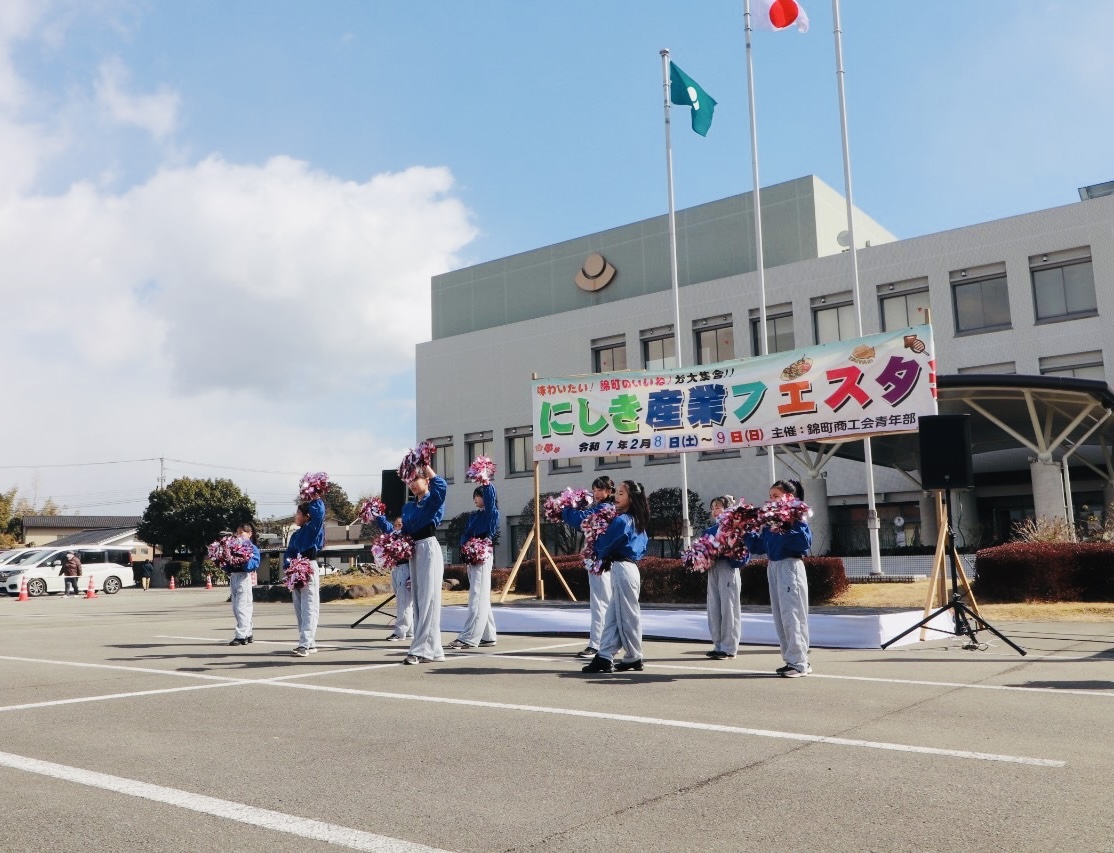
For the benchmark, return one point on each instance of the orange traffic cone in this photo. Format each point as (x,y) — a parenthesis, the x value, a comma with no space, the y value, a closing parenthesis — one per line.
(172,581)
(208,581)
(23,596)
(90,592)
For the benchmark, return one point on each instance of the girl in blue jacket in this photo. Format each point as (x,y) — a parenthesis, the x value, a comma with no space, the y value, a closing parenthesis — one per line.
(788,583)
(239,580)
(725,610)
(483,523)
(620,548)
(599,586)
(306,541)
(427,565)
(400,583)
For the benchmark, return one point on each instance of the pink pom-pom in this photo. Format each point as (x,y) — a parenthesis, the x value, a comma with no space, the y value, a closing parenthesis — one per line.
(593,527)
(734,525)
(313,486)
(482,470)
(573,498)
(370,508)
(415,461)
(230,551)
(702,555)
(781,515)
(475,551)
(392,549)
(298,573)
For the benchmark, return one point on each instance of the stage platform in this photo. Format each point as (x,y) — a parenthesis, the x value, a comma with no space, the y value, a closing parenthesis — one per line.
(851,629)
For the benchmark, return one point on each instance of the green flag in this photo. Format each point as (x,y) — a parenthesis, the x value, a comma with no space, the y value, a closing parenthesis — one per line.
(686,92)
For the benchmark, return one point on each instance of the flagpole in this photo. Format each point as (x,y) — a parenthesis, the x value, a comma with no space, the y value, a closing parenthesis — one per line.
(686,527)
(872,522)
(759,257)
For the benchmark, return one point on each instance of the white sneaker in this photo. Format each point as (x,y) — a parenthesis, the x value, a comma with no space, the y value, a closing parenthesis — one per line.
(791,672)
(312,650)
(301,651)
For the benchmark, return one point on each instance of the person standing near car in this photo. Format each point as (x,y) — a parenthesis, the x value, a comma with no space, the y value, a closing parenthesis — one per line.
(71,571)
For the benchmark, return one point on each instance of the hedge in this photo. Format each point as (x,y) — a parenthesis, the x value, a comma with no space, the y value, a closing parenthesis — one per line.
(666,581)
(1045,571)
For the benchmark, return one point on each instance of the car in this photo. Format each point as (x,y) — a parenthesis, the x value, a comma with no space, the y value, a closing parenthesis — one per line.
(108,567)
(20,554)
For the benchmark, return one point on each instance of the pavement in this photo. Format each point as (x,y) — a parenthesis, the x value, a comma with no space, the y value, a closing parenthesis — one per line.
(130,724)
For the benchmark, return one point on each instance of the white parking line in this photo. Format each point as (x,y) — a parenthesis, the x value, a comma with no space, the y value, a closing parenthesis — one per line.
(353,839)
(82,699)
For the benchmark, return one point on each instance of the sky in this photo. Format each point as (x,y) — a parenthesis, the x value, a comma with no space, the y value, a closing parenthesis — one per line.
(218,221)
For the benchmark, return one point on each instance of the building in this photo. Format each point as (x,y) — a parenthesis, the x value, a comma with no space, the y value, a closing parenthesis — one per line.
(1017,310)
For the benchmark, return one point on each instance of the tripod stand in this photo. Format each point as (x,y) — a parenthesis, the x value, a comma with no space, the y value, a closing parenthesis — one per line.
(967,621)
(380,606)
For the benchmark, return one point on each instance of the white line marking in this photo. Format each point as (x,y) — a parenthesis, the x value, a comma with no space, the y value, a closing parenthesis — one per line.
(685,724)
(354,839)
(144,669)
(81,699)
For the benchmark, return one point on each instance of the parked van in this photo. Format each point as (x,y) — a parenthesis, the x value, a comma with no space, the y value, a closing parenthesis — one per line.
(109,568)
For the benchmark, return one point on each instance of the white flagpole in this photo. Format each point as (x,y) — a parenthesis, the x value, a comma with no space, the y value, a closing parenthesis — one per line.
(760,260)
(872,522)
(686,526)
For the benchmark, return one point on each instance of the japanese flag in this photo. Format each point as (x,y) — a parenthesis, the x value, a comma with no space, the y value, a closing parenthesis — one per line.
(772,15)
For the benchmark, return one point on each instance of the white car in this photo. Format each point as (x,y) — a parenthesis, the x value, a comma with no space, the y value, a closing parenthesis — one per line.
(108,567)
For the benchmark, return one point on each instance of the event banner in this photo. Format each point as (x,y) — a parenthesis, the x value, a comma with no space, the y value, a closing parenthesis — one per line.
(839,391)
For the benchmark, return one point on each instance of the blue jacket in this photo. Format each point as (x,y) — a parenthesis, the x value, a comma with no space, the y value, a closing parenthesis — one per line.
(781,546)
(483,523)
(253,561)
(712,530)
(573,517)
(310,536)
(429,510)
(383,524)
(621,541)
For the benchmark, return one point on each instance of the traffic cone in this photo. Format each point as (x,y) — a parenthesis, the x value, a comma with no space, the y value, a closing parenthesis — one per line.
(208,581)
(23,596)
(172,581)
(90,592)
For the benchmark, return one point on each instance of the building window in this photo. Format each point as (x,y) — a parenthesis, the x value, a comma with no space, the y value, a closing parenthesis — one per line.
(564,466)
(443,458)
(1002,367)
(659,353)
(1063,285)
(981,302)
(519,451)
(714,339)
(834,323)
(609,354)
(478,444)
(603,463)
(1080,365)
(661,458)
(779,333)
(904,310)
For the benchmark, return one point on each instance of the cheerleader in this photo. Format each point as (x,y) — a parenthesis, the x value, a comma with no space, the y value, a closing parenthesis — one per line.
(599,586)
(619,549)
(400,583)
(306,541)
(483,523)
(724,588)
(788,583)
(427,565)
(240,581)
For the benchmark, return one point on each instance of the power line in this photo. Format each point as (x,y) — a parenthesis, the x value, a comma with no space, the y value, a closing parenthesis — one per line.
(79,464)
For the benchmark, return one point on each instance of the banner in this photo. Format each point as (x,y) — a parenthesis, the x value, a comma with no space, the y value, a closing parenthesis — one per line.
(834,392)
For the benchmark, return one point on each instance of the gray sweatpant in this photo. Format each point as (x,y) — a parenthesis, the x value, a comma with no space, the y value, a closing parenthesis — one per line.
(724,610)
(427,572)
(307,608)
(622,628)
(789,604)
(242,604)
(599,594)
(479,624)
(404,600)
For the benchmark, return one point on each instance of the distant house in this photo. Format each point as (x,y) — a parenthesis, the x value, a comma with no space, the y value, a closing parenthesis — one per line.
(85,530)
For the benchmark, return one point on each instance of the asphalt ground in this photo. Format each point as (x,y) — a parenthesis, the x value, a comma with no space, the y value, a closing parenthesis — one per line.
(129,724)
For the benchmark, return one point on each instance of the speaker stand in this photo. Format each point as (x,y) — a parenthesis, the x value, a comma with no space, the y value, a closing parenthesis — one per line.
(967,621)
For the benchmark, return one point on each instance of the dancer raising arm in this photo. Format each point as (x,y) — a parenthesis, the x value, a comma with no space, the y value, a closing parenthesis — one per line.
(619,549)
(599,585)
(483,523)
(306,541)
(427,565)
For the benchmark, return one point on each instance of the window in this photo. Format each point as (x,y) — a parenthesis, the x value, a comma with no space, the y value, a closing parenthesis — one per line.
(443,457)
(519,451)
(981,299)
(605,462)
(478,444)
(715,339)
(779,333)
(659,348)
(1081,365)
(834,322)
(903,304)
(1004,367)
(609,354)
(562,466)
(1063,284)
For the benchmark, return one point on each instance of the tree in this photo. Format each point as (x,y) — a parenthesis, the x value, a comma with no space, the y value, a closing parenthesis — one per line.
(337,506)
(666,516)
(455,530)
(189,514)
(558,538)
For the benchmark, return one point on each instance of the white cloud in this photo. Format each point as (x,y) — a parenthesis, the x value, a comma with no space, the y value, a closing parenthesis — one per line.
(157,113)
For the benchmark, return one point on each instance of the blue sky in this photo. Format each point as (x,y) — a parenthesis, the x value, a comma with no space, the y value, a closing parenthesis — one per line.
(218,220)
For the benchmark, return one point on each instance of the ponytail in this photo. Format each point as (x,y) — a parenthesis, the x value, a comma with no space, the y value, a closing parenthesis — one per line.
(791,487)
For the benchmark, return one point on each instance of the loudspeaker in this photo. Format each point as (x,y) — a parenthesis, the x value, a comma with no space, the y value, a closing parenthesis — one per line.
(393,493)
(946,452)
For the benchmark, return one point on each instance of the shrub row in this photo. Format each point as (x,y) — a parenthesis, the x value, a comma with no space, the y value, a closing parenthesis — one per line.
(1045,571)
